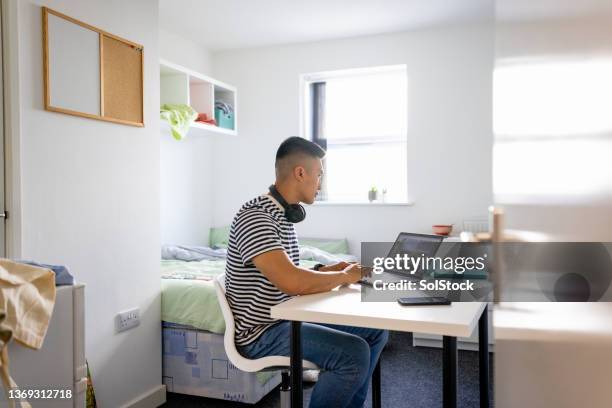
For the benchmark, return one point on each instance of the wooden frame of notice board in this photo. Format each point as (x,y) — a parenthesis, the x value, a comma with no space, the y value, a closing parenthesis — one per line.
(111,90)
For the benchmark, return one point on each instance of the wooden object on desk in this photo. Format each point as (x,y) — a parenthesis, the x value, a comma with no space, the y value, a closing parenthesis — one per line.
(91,73)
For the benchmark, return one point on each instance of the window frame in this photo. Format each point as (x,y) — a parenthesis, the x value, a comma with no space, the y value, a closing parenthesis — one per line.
(308,117)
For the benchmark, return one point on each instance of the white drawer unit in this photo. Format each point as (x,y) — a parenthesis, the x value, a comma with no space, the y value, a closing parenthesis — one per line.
(463,343)
(60,363)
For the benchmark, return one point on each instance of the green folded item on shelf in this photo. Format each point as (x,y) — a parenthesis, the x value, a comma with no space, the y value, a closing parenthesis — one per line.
(180,117)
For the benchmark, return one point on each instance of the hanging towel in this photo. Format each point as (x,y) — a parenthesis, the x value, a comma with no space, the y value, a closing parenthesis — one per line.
(7,381)
(180,117)
(27,297)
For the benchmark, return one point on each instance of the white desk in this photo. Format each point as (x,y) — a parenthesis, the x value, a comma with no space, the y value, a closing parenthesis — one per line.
(344,306)
(554,321)
(553,354)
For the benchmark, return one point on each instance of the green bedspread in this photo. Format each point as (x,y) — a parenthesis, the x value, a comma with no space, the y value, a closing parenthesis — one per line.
(188,293)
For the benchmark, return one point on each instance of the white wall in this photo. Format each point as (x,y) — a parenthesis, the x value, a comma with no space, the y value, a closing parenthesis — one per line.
(449,121)
(183,51)
(576,211)
(90,199)
(186,165)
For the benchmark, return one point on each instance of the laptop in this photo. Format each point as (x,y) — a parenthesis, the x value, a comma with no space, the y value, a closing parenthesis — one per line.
(413,245)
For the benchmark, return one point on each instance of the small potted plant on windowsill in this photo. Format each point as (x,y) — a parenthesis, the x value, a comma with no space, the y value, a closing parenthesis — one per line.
(373,194)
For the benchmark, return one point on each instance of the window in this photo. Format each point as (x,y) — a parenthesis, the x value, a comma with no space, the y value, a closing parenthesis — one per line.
(359,117)
(555,116)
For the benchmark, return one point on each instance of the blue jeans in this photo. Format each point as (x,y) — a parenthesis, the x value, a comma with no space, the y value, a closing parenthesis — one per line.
(346,355)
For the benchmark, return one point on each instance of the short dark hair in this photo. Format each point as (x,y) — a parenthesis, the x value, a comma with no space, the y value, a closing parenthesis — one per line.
(299,145)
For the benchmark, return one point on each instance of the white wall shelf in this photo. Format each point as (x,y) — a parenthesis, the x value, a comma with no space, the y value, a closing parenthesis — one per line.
(180,85)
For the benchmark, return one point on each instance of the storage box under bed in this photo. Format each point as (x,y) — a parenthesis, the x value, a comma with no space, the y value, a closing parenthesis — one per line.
(195,363)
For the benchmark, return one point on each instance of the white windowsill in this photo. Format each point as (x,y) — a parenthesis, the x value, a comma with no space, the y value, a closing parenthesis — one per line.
(361,204)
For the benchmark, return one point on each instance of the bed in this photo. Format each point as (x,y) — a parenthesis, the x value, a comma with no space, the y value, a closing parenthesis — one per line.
(194,360)
(188,295)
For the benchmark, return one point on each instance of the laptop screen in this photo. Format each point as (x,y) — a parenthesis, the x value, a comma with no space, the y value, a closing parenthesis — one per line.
(414,245)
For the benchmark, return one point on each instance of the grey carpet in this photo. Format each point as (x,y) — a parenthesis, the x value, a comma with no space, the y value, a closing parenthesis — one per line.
(411,377)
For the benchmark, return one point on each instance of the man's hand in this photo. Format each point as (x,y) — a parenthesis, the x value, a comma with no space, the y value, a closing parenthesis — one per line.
(354,272)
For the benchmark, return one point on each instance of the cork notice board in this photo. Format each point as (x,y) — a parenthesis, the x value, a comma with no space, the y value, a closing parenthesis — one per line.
(91,73)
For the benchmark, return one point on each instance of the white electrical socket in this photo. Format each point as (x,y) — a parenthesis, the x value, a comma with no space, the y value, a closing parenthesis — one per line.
(128,319)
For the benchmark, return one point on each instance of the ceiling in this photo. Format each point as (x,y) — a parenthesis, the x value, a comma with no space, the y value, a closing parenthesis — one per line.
(231,24)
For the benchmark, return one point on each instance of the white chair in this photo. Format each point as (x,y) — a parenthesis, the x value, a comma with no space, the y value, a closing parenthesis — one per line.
(270,363)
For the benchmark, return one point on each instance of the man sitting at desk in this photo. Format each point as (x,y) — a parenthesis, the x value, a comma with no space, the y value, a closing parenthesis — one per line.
(263,270)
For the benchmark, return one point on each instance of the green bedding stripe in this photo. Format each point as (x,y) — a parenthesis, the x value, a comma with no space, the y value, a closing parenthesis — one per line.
(193,303)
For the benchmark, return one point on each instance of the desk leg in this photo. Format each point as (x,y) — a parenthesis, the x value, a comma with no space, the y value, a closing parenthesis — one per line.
(376,385)
(449,371)
(483,357)
(297,399)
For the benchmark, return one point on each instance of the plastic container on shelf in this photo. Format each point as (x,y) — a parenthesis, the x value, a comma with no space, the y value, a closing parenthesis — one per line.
(224,120)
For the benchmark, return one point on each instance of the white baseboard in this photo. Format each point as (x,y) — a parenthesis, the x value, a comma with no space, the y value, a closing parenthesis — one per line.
(151,399)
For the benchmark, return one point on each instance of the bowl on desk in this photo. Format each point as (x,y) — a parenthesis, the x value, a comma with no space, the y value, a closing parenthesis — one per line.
(442,229)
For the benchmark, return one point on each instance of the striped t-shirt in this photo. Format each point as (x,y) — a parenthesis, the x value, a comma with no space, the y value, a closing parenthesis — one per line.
(260,226)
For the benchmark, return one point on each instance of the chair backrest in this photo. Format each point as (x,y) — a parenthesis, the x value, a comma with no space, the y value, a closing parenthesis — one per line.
(228,338)
(243,363)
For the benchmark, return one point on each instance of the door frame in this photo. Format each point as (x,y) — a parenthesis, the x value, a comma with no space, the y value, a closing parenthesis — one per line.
(11,129)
